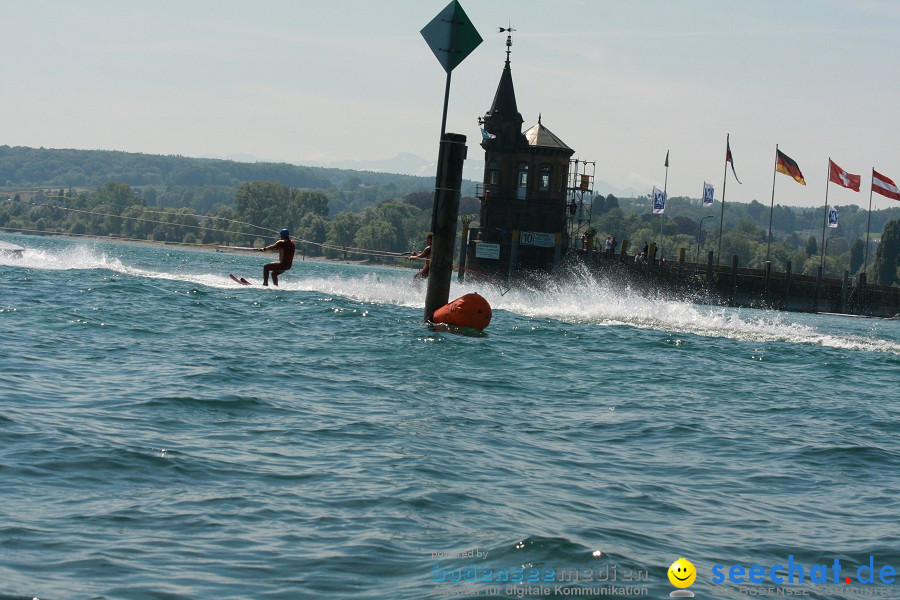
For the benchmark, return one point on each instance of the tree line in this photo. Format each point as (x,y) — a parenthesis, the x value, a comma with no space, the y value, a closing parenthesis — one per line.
(258,209)
(796,234)
(202,184)
(178,199)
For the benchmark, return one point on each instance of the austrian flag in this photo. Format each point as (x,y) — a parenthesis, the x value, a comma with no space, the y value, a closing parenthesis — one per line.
(884,186)
(842,177)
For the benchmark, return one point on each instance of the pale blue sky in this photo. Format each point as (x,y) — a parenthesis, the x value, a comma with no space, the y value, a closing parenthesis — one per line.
(620,81)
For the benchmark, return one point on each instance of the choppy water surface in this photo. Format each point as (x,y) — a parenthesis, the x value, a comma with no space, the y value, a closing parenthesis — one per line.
(166,433)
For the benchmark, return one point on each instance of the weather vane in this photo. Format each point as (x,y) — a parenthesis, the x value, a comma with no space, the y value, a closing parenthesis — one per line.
(508,31)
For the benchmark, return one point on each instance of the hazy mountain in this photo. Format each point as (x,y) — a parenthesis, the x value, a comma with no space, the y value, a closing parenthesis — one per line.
(604,188)
(473,170)
(403,164)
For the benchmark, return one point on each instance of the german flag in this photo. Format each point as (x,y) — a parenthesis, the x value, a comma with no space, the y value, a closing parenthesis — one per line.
(784,164)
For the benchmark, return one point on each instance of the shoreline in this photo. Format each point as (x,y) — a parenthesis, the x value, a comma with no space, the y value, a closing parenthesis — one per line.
(299,257)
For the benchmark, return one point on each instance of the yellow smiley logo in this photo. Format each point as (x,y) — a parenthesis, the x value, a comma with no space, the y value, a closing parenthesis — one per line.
(682,573)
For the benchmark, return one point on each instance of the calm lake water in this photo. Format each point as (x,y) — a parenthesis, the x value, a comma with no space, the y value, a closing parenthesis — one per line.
(167,433)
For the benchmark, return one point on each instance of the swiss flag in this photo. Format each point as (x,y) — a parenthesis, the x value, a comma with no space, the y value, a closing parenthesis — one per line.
(842,177)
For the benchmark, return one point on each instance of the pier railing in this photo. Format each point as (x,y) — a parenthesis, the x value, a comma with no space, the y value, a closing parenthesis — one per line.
(735,285)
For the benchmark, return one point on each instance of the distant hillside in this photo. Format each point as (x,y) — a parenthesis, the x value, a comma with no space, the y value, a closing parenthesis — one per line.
(30,167)
(203,184)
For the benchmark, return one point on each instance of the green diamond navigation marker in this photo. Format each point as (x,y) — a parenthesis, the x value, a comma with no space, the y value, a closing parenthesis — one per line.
(451,36)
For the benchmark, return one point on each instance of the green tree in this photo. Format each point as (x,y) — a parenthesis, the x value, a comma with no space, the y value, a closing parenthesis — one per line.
(376,235)
(640,236)
(409,223)
(812,247)
(421,200)
(310,202)
(757,211)
(887,257)
(341,232)
(685,226)
(116,195)
(783,218)
(798,258)
(262,203)
(273,206)
(218,226)
(614,222)
(351,183)
(313,229)
(611,203)
(779,255)
(751,230)
(136,223)
(184,222)
(77,228)
(836,255)
(736,242)
(811,265)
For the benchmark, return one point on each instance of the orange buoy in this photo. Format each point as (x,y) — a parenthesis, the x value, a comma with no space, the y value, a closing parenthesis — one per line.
(470,310)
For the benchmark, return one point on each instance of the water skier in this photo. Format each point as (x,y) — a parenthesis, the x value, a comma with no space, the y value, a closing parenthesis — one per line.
(426,254)
(286,248)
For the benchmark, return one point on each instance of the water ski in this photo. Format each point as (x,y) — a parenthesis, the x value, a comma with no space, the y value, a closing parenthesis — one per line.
(240,280)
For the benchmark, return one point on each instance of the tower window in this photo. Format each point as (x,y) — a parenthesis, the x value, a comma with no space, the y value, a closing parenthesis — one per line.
(545,178)
(522,185)
(494,177)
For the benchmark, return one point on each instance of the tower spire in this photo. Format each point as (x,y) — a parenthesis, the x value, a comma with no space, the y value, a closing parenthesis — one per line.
(508,31)
(505,98)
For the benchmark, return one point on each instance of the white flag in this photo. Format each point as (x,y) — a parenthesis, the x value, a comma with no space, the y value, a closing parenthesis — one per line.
(832,217)
(708,194)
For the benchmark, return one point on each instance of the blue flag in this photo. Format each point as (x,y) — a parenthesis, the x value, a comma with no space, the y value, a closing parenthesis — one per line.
(659,201)
(708,194)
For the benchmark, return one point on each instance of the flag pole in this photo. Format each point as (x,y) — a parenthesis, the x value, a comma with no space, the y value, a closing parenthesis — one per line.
(446,104)
(722,215)
(700,220)
(825,220)
(665,200)
(869,220)
(772,206)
